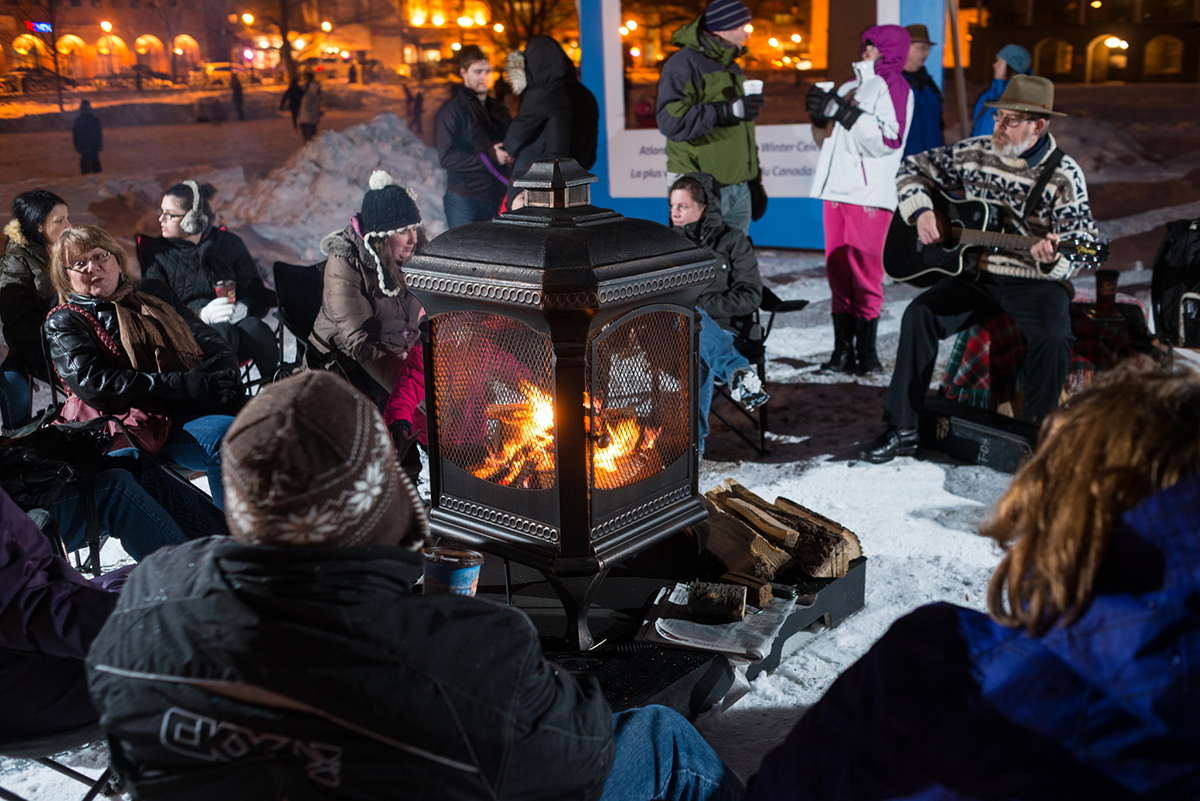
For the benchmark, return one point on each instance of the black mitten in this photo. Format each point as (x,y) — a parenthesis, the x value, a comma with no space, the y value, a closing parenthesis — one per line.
(847,114)
(752,106)
(725,115)
(815,103)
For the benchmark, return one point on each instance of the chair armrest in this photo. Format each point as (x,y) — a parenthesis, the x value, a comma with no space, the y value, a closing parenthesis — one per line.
(775,305)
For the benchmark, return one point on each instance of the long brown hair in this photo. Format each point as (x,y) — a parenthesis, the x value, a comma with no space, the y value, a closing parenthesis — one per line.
(77,240)
(1100,455)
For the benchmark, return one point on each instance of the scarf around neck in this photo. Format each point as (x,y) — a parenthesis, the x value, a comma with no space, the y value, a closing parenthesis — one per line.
(153,335)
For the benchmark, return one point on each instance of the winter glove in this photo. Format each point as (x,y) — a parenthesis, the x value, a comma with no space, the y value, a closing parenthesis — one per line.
(402,437)
(725,113)
(815,104)
(223,386)
(752,107)
(239,313)
(218,310)
(847,113)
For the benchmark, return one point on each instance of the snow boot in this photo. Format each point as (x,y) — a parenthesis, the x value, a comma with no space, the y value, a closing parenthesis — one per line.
(890,444)
(842,358)
(747,389)
(867,360)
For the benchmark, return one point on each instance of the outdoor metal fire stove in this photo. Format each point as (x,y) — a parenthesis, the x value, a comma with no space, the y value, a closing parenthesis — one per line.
(561,376)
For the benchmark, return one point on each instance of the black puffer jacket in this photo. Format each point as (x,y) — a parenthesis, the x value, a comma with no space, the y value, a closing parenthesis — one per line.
(559,117)
(26,295)
(737,289)
(466,128)
(88,370)
(459,685)
(192,271)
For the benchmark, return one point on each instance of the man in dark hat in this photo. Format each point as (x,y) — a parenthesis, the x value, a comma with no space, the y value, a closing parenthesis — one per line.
(926,129)
(298,659)
(468,127)
(1031,286)
(704,110)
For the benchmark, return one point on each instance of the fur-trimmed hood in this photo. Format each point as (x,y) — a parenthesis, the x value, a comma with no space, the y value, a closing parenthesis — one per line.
(15,234)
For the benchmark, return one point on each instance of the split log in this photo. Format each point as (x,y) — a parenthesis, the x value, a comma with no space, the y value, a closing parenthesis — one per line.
(822,548)
(758,592)
(740,548)
(718,602)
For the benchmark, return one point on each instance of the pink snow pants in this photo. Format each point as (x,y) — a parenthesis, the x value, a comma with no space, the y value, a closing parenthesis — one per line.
(408,395)
(854,238)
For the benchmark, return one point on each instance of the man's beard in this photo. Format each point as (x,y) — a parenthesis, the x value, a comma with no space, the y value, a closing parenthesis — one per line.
(1013,149)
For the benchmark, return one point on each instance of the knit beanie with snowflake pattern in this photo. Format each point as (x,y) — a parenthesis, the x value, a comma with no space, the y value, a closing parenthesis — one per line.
(309,461)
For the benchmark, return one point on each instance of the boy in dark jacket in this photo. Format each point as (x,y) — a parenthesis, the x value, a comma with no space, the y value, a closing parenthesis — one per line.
(89,138)
(469,129)
(298,660)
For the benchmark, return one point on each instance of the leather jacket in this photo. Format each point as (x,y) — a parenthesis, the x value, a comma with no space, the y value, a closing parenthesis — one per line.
(87,369)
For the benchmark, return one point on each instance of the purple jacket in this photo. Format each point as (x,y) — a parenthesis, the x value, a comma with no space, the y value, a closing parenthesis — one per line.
(951,705)
(49,615)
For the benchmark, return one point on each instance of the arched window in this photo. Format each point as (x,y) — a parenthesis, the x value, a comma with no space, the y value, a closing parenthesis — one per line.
(1053,57)
(1164,56)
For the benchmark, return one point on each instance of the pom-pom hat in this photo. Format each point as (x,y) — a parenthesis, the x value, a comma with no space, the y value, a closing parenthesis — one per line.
(387,209)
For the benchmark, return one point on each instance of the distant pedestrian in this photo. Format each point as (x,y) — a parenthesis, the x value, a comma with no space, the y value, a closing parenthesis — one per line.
(408,103)
(291,99)
(310,108)
(235,85)
(353,77)
(89,138)
(418,110)
(1011,60)
(926,129)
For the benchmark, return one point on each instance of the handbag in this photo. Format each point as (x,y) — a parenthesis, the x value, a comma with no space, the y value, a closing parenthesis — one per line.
(147,429)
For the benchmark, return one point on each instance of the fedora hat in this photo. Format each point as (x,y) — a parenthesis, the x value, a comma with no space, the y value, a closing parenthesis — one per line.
(919,34)
(1029,93)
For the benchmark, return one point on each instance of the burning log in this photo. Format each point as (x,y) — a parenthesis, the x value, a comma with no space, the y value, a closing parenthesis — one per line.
(822,548)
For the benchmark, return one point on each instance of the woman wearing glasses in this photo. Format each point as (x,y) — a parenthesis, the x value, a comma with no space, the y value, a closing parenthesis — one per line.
(39,216)
(192,256)
(120,346)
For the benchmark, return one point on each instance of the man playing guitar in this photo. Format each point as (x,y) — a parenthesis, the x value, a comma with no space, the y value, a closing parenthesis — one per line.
(1036,191)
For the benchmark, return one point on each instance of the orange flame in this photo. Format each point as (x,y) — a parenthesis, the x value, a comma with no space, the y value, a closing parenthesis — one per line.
(525,447)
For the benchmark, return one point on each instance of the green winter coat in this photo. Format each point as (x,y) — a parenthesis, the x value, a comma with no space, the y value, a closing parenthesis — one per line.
(703,72)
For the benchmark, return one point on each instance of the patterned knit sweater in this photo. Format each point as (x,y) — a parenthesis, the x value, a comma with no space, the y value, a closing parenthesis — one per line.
(974,169)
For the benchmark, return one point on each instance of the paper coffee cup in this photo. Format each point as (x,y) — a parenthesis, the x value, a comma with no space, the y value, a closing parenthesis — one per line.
(451,570)
(825,86)
(752,87)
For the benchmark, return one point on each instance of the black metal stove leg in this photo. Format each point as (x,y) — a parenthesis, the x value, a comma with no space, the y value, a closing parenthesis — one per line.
(576,594)
(507,583)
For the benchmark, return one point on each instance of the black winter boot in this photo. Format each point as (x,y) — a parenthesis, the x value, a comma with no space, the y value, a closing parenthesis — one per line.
(864,346)
(842,358)
(890,444)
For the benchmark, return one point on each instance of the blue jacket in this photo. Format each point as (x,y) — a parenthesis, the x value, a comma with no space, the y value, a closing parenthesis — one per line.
(926,130)
(984,124)
(951,705)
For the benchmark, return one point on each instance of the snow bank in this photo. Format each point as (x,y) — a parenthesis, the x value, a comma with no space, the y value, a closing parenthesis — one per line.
(320,187)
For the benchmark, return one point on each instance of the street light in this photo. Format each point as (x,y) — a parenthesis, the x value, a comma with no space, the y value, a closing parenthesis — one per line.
(327,26)
(498,28)
(106,26)
(248,19)
(796,38)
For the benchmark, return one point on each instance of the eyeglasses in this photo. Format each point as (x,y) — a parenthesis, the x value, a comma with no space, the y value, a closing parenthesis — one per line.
(100,259)
(1007,121)
(164,213)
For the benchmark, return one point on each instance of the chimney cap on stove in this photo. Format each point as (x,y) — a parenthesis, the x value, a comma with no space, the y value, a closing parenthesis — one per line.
(556,183)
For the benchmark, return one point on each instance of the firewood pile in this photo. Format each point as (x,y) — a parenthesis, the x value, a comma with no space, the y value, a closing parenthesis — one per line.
(757,540)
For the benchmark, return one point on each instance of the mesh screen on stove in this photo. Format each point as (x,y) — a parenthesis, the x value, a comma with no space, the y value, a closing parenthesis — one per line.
(638,386)
(494,391)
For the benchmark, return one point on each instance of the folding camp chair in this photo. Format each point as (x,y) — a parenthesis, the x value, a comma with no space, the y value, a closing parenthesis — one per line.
(41,749)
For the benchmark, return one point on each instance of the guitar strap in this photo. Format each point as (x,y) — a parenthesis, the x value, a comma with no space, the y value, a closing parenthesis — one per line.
(1052,162)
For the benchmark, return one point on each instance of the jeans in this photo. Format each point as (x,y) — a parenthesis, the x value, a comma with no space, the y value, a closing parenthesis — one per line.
(718,359)
(196,445)
(660,756)
(15,405)
(462,210)
(251,338)
(123,510)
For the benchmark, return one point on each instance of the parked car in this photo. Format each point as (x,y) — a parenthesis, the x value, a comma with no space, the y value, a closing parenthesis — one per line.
(38,79)
(327,68)
(213,74)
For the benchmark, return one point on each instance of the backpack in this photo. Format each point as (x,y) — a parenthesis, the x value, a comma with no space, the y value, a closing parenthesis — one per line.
(1175,286)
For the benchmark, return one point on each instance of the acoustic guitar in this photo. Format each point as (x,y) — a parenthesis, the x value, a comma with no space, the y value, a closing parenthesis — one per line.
(966,226)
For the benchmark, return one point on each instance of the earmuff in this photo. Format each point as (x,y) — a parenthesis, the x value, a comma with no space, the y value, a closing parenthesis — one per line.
(195,221)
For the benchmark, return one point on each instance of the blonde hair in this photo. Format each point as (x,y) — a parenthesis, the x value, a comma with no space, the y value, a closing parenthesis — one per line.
(1100,455)
(75,241)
